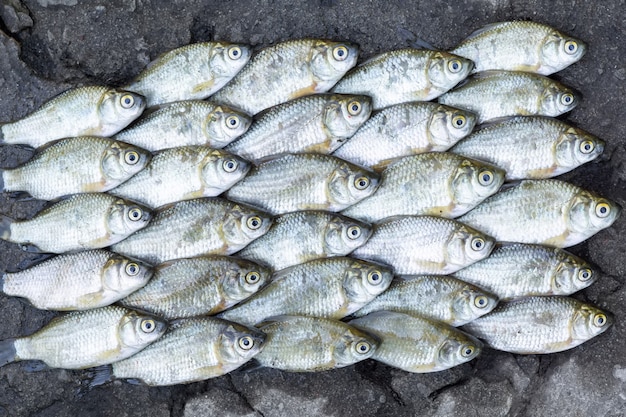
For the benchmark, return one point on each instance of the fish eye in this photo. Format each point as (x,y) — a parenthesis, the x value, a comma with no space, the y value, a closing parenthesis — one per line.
(132,269)
(458,121)
(586,146)
(481,301)
(585,274)
(246,342)
(363,347)
(571,47)
(340,53)
(354,232)
(254,222)
(233,122)
(234,52)
(135,214)
(375,277)
(354,108)
(468,350)
(361,183)
(253,277)
(478,243)
(131,157)
(485,177)
(127,101)
(603,210)
(599,320)
(230,165)
(455,65)
(567,99)
(148,326)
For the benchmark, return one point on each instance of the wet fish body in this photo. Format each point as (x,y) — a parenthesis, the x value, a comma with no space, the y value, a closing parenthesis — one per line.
(406,129)
(184,173)
(536,325)
(319,123)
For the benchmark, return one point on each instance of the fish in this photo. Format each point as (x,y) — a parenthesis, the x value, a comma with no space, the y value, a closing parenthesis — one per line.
(200,286)
(304,182)
(405,75)
(184,173)
(312,344)
(84,339)
(536,325)
(288,70)
(330,287)
(522,270)
(186,123)
(79,222)
(406,129)
(417,344)
(82,111)
(191,350)
(496,94)
(319,123)
(440,298)
(548,212)
(434,183)
(531,147)
(84,164)
(421,245)
(521,46)
(190,72)
(77,281)
(190,228)
(302,236)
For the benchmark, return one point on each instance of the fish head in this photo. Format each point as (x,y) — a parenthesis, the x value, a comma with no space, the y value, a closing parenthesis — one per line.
(448,125)
(354,346)
(571,274)
(125,217)
(120,161)
(473,181)
(588,213)
(226,60)
(138,330)
(349,184)
(559,51)
(119,108)
(575,147)
(589,321)
(345,114)
(329,60)
(342,235)
(224,124)
(467,245)
(557,99)
(245,279)
(471,302)
(122,275)
(238,343)
(363,281)
(445,70)
(221,170)
(456,349)
(243,224)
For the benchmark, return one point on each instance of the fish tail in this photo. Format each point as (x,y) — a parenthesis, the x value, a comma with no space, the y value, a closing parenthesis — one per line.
(1,179)
(2,134)
(100,375)
(2,278)
(5,227)
(7,351)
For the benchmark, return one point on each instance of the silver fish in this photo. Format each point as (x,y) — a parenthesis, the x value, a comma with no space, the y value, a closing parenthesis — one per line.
(537,325)
(190,72)
(435,183)
(187,123)
(77,281)
(332,287)
(198,286)
(82,111)
(311,344)
(319,123)
(496,94)
(405,75)
(288,70)
(548,212)
(521,46)
(75,165)
(416,344)
(522,270)
(184,173)
(406,129)
(196,227)
(531,147)
(418,245)
(85,339)
(437,297)
(302,236)
(80,222)
(304,182)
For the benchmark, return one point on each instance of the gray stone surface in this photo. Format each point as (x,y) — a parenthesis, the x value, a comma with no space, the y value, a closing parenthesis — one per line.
(46,46)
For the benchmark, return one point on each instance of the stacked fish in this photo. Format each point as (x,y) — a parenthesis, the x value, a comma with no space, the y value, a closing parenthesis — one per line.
(288,142)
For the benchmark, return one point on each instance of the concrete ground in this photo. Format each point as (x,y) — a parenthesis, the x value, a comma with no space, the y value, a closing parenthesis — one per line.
(47,46)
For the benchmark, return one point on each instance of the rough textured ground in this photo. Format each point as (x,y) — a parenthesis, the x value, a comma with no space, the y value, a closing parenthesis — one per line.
(47,46)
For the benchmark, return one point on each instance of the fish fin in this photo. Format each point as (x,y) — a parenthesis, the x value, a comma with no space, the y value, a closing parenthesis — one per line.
(2,134)
(35,366)
(99,375)
(251,365)
(7,351)
(306,91)
(203,86)
(5,227)
(413,40)
(495,121)
(30,248)
(20,196)
(508,185)
(486,28)
(90,299)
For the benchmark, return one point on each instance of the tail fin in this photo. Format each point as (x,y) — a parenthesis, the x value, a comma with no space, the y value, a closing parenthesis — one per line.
(100,375)
(2,282)
(7,351)
(5,227)
(2,134)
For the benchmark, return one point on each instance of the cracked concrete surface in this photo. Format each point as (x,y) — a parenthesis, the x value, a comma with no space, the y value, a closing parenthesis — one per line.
(46,46)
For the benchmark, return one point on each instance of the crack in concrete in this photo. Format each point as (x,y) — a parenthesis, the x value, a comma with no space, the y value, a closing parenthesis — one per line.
(233,388)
